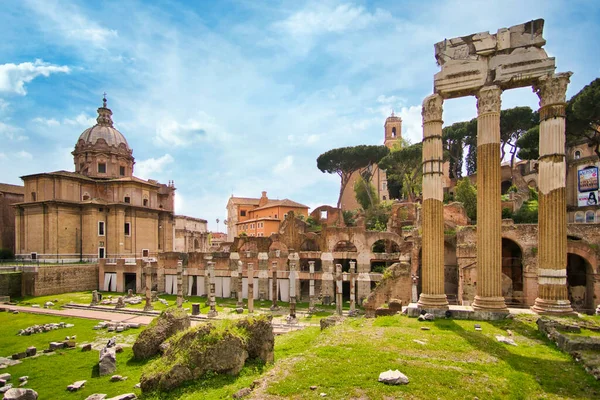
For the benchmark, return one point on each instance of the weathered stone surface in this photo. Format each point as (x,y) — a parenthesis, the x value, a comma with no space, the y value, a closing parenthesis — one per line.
(108,361)
(261,340)
(5,376)
(126,396)
(166,325)
(426,317)
(56,346)
(31,351)
(23,378)
(395,304)
(390,377)
(76,386)
(385,312)
(242,393)
(19,356)
(96,396)
(117,378)
(330,321)
(504,339)
(6,388)
(86,347)
(20,394)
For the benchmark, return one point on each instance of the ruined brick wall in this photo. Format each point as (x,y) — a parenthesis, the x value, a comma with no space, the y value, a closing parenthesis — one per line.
(7,219)
(10,284)
(396,284)
(48,280)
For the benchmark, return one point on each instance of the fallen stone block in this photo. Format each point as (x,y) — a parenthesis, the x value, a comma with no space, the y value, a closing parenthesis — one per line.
(6,388)
(118,378)
(23,378)
(31,351)
(390,377)
(20,394)
(504,339)
(126,396)
(5,376)
(108,361)
(96,396)
(86,347)
(56,346)
(242,393)
(76,386)
(19,356)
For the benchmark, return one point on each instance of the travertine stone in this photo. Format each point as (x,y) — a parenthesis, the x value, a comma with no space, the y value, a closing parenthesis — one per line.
(311,287)
(552,297)
(489,210)
(274,306)
(250,288)
(212,299)
(338,289)
(433,295)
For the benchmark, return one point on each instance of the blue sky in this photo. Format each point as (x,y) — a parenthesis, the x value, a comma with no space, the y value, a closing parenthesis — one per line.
(238,97)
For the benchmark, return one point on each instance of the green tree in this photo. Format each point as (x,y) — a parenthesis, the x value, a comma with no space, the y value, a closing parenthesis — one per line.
(529,144)
(583,115)
(377,216)
(365,193)
(466,193)
(528,213)
(345,161)
(458,138)
(514,123)
(404,168)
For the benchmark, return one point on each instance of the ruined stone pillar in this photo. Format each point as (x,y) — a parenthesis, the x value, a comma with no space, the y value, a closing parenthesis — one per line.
(263,276)
(240,290)
(212,299)
(433,296)
(326,278)
(179,284)
(338,289)
(250,288)
(274,306)
(352,288)
(94,298)
(311,287)
(552,297)
(489,204)
(148,279)
(236,276)
(293,290)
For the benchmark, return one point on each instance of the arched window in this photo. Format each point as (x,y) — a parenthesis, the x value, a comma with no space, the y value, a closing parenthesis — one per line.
(394,132)
(86,196)
(590,217)
(577,154)
(579,217)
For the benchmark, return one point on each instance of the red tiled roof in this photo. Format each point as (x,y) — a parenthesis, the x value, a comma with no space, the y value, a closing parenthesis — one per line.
(8,188)
(283,203)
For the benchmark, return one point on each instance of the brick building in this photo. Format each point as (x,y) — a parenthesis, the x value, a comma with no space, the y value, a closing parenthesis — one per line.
(99,211)
(9,195)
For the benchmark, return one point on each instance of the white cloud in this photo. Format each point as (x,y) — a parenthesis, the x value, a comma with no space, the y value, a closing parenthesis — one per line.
(13,77)
(312,139)
(412,123)
(25,155)
(98,36)
(324,19)
(46,121)
(284,165)
(80,120)
(11,132)
(144,169)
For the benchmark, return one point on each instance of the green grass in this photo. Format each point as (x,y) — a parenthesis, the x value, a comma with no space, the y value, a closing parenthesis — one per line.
(456,362)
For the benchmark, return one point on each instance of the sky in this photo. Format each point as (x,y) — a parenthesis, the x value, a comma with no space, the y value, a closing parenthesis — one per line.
(236,97)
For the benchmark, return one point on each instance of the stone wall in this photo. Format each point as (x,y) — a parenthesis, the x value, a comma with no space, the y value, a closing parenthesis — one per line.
(10,284)
(56,279)
(396,284)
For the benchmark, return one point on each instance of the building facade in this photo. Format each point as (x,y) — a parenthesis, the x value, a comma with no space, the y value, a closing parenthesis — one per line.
(191,234)
(9,195)
(99,211)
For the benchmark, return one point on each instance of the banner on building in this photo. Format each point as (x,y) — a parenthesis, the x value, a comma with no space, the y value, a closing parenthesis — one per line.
(588,179)
(588,199)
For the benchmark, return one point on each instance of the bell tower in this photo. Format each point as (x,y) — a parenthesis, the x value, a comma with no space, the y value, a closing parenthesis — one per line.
(393,130)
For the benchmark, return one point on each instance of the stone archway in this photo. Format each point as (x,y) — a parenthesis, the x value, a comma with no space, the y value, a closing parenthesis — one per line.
(580,283)
(512,273)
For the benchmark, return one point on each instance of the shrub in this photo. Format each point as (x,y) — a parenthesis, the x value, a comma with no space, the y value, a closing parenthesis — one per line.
(506,213)
(377,217)
(349,217)
(466,193)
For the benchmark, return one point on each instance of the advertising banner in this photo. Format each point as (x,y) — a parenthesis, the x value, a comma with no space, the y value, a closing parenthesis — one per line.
(588,199)
(588,179)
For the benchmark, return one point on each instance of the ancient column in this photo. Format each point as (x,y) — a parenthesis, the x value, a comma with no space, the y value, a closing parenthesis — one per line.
(212,300)
(326,278)
(263,275)
(274,306)
(433,296)
(250,288)
(489,204)
(148,278)
(338,289)
(293,290)
(179,284)
(240,290)
(94,298)
(552,226)
(311,287)
(352,289)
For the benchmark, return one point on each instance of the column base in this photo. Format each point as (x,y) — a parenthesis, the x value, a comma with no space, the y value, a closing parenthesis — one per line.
(553,307)
(497,304)
(433,301)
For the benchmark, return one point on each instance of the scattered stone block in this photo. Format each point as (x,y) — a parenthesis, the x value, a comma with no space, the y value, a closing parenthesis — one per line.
(76,386)
(19,356)
(395,304)
(419,342)
(56,346)
(313,388)
(15,312)
(23,378)
(477,327)
(118,378)
(330,321)
(20,394)
(35,306)
(22,384)
(126,396)
(425,328)
(137,385)
(118,349)
(96,396)
(108,361)
(242,393)
(5,376)
(86,347)
(48,304)
(6,388)
(390,377)
(504,339)
(31,351)
(133,325)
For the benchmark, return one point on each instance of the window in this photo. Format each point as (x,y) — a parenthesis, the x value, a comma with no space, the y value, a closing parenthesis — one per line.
(122,170)
(383,185)
(33,196)
(242,213)
(100,228)
(275,215)
(101,168)
(86,196)
(145,252)
(34,256)
(251,226)
(579,217)
(324,214)
(101,253)
(394,132)
(127,199)
(577,155)
(590,217)
(127,229)
(145,202)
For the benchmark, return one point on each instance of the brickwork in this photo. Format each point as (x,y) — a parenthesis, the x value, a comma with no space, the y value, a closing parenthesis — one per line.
(10,284)
(49,280)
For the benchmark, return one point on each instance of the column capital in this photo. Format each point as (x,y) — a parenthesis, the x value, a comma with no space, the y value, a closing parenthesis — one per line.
(432,108)
(489,100)
(552,89)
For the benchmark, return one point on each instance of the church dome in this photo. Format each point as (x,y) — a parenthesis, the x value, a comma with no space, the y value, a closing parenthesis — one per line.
(104,129)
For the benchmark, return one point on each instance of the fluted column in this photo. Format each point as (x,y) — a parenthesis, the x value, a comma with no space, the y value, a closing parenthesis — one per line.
(489,204)
(552,226)
(433,296)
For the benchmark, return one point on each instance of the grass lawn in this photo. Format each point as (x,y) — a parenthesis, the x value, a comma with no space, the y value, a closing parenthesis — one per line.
(453,361)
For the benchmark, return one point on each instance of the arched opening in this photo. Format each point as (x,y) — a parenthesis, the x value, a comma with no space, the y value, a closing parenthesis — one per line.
(577,154)
(580,283)
(385,246)
(590,217)
(345,246)
(309,245)
(196,244)
(394,132)
(504,186)
(579,217)
(512,273)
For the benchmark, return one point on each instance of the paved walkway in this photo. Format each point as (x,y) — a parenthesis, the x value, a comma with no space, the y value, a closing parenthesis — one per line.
(79,313)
